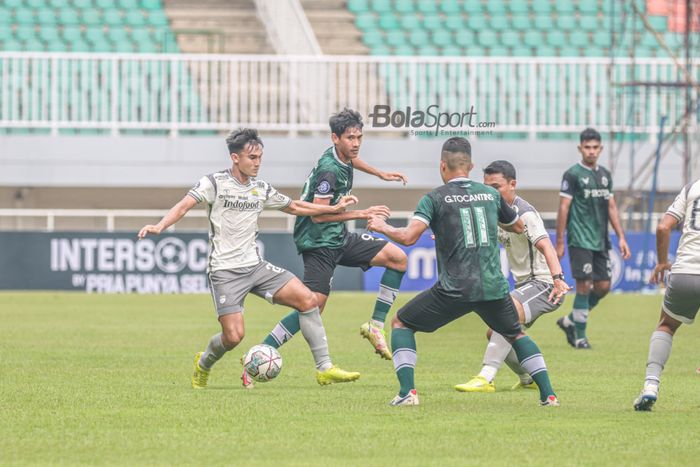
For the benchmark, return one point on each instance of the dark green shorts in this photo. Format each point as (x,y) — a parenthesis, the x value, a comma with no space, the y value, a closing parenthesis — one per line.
(433,308)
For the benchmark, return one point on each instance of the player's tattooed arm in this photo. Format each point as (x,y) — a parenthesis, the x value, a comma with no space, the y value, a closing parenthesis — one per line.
(303,208)
(663,239)
(176,213)
(405,235)
(617,227)
(363,166)
(562,216)
(382,211)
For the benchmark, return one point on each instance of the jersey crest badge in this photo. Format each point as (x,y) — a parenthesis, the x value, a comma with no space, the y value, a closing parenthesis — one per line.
(324,187)
(564,185)
(604,181)
(584,180)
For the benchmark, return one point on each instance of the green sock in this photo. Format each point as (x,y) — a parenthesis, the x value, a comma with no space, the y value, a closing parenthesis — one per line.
(532,361)
(284,330)
(403,343)
(388,288)
(579,315)
(593,300)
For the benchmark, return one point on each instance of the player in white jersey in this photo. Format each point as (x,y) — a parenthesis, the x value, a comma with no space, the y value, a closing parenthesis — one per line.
(539,282)
(234,199)
(682,297)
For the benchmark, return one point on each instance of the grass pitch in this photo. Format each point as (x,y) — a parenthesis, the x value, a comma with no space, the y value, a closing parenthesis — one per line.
(104,379)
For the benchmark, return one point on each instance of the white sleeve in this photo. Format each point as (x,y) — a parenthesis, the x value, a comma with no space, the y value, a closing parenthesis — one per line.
(679,205)
(276,200)
(203,191)
(534,227)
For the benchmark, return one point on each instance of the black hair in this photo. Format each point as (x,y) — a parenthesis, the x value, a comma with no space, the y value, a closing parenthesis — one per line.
(346,118)
(458,144)
(504,168)
(590,134)
(238,139)
(457,153)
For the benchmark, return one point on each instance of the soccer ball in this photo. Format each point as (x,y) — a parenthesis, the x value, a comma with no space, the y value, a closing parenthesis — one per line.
(262,363)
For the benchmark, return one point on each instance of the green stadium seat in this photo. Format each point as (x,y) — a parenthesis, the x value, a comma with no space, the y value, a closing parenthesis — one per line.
(6,34)
(382,6)
(79,46)
(72,33)
(404,50)
(533,38)
(82,3)
(648,40)
(358,6)
(404,6)
(454,23)
(510,38)
(57,46)
(476,21)
(546,51)
(124,46)
(518,7)
(157,18)
(13,4)
(659,23)
(601,39)
(428,51)
(589,23)
(396,38)
(473,6)
(410,21)
(487,38)
(91,17)
(442,38)
(592,51)
(141,35)
(46,17)
(12,46)
(34,45)
(36,4)
(380,50)
(474,51)
(521,23)
(418,38)
(541,6)
(25,33)
(427,6)
(499,23)
(151,4)
(498,51)
(135,18)
(117,34)
(564,7)
(388,21)
(24,16)
(373,38)
(5,16)
(112,17)
(452,51)
(68,17)
(49,34)
(128,4)
(450,7)
(569,52)
(556,38)
(366,21)
(521,52)
(544,23)
(578,39)
(147,47)
(432,21)
(496,7)
(588,7)
(464,38)
(609,5)
(106,4)
(95,34)
(566,22)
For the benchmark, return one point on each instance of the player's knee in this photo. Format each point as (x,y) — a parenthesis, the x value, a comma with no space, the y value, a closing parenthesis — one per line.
(601,290)
(396,323)
(232,337)
(489,333)
(401,261)
(308,301)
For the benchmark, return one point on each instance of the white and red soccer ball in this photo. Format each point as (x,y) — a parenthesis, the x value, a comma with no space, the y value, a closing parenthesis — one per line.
(262,363)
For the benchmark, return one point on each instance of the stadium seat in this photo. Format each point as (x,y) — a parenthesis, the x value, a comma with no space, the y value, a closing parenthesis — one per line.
(151,4)
(521,52)
(473,6)
(450,7)
(366,21)
(128,4)
(68,16)
(487,38)
(405,6)
(589,23)
(388,21)
(404,50)
(117,34)
(578,39)
(427,6)
(112,17)
(25,33)
(418,38)
(91,17)
(541,6)
(410,21)
(106,4)
(49,34)
(464,38)
(442,38)
(24,16)
(72,33)
(82,4)
(566,22)
(382,6)
(544,23)
(474,51)
(564,7)
(373,38)
(13,4)
(157,18)
(533,38)
(46,17)
(57,46)
(358,6)
(428,51)
(588,8)
(5,15)
(476,21)
(35,4)
(432,22)
(396,38)
(380,50)
(521,23)
(452,51)
(518,7)
(496,7)
(454,23)
(510,38)
(499,23)
(556,38)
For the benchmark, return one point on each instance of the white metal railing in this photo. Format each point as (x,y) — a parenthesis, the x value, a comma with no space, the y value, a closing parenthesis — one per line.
(174,92)
(110,216)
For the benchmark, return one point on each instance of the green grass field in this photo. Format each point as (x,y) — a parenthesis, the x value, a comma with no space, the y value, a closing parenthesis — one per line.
(104,379)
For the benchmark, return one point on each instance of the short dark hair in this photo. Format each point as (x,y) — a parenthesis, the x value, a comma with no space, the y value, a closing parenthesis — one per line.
(590,134)
(346,118)
(238,139)
(457,153)
(504,168)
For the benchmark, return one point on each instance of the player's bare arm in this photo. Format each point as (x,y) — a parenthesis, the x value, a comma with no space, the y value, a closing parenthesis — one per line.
(562,216)
(382,211)
(303,208)
(663,239)
(363,166)
(404,235)
(544,245)
(517,227)
(176,213)
(617,227)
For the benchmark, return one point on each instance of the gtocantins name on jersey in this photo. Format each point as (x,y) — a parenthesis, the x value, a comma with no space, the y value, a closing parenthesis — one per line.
(596,193)
(469,198)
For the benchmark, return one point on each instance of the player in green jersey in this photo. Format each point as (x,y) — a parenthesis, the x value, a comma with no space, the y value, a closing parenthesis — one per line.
(324,241)
(586,205)
(464,216)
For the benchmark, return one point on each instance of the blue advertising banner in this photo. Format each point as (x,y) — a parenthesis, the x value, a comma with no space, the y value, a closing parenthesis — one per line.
(627,276)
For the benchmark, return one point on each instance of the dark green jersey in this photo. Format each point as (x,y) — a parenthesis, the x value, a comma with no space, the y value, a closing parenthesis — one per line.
(590,191)
(331,178)
(464,217)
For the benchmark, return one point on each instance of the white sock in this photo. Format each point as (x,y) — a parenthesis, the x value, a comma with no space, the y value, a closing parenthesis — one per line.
(488,372)
(377,324)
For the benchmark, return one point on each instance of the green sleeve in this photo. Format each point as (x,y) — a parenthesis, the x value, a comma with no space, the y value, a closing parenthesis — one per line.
(425,210)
